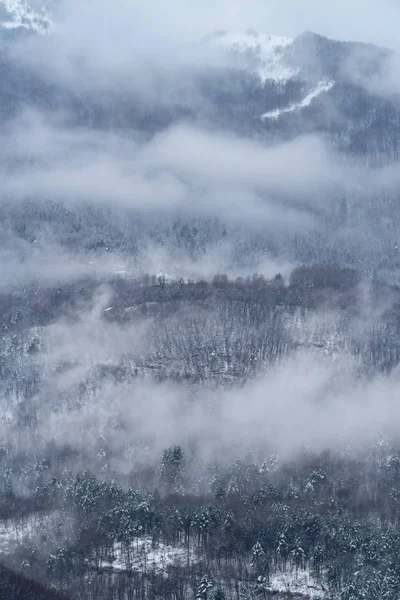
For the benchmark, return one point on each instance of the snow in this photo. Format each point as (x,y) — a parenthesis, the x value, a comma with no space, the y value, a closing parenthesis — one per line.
(29,529)
(301,583)
(144,555)
(323,86)
(10,536)
(160,273)
(264,53)
(15,532)
(23,15)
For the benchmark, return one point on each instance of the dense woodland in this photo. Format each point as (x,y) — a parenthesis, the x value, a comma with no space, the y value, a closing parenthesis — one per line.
(210,531)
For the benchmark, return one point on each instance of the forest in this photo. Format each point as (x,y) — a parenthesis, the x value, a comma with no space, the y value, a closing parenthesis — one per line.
(94,505)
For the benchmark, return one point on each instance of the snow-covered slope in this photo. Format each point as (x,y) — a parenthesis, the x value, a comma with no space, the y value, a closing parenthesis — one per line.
(323,86)
(20,13)
(261,53)
(272,58)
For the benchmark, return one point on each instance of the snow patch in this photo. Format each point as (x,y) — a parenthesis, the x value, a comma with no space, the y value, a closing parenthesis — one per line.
(323,86)
(297,582)
(260,53)
(30,528)
(144,555)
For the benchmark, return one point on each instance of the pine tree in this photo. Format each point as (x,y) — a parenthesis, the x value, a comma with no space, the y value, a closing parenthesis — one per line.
(172,463)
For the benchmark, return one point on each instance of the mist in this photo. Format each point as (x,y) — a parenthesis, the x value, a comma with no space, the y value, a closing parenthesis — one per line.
(267,193)
(319,407)
(97,389)
(199,298)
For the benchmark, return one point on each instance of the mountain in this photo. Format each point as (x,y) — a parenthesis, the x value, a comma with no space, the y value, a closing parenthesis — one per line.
(314,84)
(257,86)
(260,85)
(261,54)
(307,57)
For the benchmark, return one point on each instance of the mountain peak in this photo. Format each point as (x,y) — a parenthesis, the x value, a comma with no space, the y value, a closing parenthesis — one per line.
(16,14)
(260,53)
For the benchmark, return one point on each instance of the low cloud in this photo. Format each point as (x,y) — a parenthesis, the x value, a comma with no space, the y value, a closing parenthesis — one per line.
(306,400)
(184,169)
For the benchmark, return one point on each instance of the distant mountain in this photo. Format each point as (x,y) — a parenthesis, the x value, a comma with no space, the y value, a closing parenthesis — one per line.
(308,57)
(264,86)
(314,84)
(258,86)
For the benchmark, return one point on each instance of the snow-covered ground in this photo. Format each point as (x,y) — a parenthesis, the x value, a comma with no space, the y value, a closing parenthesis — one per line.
(54,527)
(323,86)
(144,555)
(15,532)
(11,535)
(297,583)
